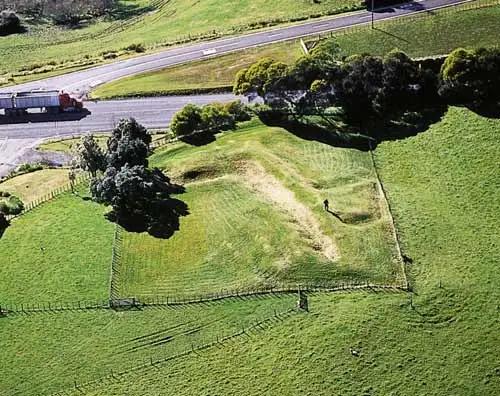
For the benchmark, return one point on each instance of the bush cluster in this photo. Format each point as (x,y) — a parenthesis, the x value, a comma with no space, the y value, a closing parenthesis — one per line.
(214,117)
(367,89)
(9,23)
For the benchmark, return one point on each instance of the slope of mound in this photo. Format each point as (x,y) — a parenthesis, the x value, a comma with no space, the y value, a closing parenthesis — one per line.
(257,219)
(443,185)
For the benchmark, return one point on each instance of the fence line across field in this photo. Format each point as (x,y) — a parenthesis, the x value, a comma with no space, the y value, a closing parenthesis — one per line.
(179,300)
(153,362)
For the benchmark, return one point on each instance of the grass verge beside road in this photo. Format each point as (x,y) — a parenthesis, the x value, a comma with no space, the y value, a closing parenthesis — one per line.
(213,73)
(152,23)
(433,34)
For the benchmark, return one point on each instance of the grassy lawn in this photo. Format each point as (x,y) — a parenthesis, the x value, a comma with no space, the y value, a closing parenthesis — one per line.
(443,185)
(35,185)
(212,73)
(435,33)
(432,34)
(67,145)
(45,353)
(156,23)
(255,198)
(75,261)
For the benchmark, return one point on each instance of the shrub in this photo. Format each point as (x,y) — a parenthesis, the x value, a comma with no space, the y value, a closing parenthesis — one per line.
(11,205)
(9,23)
(135,47)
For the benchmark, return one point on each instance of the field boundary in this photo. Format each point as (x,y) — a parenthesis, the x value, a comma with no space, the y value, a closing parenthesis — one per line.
(49,196)
(112,377)
(179,301)
(115,263)
(394,228)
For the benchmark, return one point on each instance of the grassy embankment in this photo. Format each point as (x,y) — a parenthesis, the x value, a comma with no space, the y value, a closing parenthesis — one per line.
(434,34)
(50,49)
(48,352)
(257,218)
(34,185)
(443,185)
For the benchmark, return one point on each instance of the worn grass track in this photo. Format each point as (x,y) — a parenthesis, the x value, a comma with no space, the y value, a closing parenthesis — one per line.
(257,218)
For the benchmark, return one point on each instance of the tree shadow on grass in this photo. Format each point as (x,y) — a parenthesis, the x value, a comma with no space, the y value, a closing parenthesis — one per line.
(409,124)
(3,226)
(490,111)
(161,218)
(124,11)
(161,221)
(309,131)
(198,138)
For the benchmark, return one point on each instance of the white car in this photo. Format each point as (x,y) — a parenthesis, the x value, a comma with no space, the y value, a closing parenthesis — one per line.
(210,51)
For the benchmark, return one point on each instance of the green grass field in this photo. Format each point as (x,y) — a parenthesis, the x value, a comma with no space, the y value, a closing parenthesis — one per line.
(212,73)
(45,353)
(75,261)
(155,23)
(443,185)
(35,185)
(436,33)
(257,218)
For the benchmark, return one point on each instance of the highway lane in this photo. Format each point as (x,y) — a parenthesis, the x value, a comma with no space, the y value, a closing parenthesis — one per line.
(16,140)
(157,112)
(104,115)
(85,80)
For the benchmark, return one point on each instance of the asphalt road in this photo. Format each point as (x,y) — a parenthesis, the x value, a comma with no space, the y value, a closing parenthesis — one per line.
(157,112)
(90,78)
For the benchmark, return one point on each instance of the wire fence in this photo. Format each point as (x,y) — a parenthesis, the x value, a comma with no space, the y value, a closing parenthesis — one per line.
(180,300)
(115,264)
(153,362)
(394,228)
(79,180)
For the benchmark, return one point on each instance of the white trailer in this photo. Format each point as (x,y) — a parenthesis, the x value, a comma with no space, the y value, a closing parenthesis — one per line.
(48,100)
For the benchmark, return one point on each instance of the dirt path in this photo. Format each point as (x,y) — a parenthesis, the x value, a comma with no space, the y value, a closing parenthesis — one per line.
(272,190)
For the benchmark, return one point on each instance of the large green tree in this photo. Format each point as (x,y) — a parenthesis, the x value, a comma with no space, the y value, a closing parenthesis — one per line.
(472,77)
(88,156)
(128,144)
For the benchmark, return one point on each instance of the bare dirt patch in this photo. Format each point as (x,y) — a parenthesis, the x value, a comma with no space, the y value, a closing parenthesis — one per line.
(256,177)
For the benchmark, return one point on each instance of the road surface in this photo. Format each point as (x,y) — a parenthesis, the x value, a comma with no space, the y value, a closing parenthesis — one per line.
(157,112)
(87,79)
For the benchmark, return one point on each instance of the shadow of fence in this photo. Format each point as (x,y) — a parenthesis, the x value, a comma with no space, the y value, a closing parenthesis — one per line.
(217,341)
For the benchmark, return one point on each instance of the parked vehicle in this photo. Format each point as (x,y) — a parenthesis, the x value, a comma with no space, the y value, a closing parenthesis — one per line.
(18,103)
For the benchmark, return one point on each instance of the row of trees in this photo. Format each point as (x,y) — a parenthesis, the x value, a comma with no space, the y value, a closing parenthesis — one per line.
(213,117)
(367,88)
(140,197)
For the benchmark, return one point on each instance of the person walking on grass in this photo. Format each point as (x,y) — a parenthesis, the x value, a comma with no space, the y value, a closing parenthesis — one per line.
(325,202)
